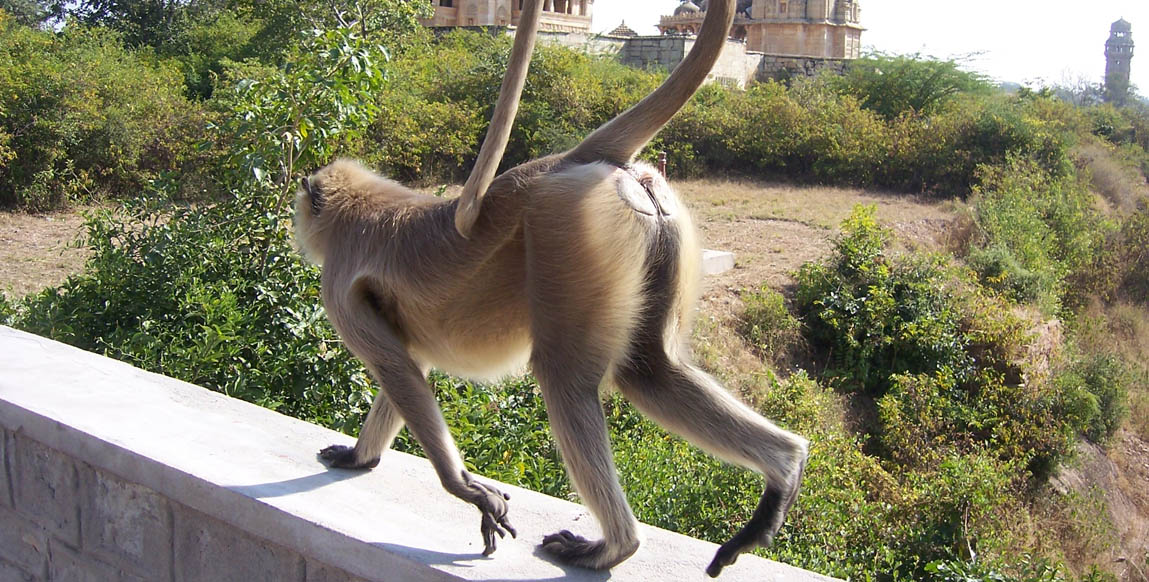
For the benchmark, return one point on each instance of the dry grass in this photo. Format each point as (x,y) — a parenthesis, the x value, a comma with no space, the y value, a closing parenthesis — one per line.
(1129,325)
(1118,184)
(815,206)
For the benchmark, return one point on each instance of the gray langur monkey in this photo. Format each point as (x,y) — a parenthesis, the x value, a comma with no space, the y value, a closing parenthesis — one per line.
(584,264)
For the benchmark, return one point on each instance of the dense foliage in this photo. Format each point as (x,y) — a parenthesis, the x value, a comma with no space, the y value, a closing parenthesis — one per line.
(81,117)
(933,422)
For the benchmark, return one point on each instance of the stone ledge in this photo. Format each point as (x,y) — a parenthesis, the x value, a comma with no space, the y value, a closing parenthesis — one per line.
(256,471)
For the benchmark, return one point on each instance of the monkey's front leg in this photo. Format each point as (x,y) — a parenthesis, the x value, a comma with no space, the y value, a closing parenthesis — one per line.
(404,393)
(379,430)
(413,398)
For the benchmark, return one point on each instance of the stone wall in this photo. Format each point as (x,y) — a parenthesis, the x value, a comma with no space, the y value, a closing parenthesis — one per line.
(112,474)
(779,67)
(736,66)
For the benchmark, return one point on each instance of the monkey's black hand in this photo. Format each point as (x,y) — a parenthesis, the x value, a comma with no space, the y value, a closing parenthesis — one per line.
(492,503)
(343,457)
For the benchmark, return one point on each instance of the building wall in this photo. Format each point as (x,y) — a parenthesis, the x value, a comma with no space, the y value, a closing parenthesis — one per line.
(736,66)
(558,15)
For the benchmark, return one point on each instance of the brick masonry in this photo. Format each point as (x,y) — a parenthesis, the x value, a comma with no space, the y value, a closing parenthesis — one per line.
(92,526)
(46,489)
(5,490)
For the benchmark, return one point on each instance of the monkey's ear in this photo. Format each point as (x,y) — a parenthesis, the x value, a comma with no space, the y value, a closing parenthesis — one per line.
(313,194)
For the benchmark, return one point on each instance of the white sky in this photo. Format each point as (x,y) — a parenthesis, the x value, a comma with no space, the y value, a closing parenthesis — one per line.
(1052,41)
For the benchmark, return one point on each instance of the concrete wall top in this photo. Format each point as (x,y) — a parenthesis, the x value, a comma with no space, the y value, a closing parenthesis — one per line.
(257,470)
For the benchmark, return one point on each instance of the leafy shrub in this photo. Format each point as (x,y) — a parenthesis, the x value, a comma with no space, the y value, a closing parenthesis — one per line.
(7,310)
(1030,570)
(1131,251)
(525,454)
(214,296)
(876,317)
(217,295)
(940,357)
(1042,228)
(768,325)
(289,122)
(999,269)
(1098,384)
(80,117)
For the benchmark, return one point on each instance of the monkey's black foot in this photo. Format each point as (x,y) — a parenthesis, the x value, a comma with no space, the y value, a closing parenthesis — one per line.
(763,525)
(343,457)
(578,551)
(492,503)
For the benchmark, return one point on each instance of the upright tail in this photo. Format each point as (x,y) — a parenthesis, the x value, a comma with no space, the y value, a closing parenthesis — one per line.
(618,140)
(499,131)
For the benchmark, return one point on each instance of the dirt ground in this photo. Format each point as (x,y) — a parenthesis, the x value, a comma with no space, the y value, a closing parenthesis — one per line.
(772,230)
(36,250)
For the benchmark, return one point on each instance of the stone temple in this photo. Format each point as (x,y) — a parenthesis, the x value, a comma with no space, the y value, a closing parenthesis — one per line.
(808,28)
(769,38)
(558,15)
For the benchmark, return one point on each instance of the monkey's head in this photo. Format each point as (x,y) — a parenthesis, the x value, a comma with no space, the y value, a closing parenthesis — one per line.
(341,192)
(318,199)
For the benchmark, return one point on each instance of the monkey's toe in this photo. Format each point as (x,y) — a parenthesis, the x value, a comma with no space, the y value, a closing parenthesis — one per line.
(578,551)
(343,457)
(764,524)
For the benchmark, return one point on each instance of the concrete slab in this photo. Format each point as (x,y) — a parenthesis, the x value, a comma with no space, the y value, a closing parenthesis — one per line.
(715,262)
(257,469)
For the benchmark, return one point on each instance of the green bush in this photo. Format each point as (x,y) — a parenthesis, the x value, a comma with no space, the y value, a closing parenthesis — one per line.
(1040,228)
(217,295)
(939,356)
(874,316)
(524,454)
(1098,386)
(893,85)
(82,118)
(1121,268)
(213,296)
(997,268)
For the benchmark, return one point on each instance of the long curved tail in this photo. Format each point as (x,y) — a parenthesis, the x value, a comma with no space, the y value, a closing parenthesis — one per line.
(491,152)
(619,139)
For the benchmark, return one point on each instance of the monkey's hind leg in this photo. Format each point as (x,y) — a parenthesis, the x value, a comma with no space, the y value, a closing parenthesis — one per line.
(579,427)
(585,255)
(380,428)
(689,402)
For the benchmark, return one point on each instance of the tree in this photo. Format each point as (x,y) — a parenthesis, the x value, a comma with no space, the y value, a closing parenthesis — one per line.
(25,12)
(891,85)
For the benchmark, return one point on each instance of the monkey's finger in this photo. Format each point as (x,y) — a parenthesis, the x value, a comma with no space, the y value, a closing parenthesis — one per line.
(489,528)
(506,523)
(488,537)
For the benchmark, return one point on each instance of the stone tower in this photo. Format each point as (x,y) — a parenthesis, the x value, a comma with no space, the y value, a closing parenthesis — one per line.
(1118,54)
